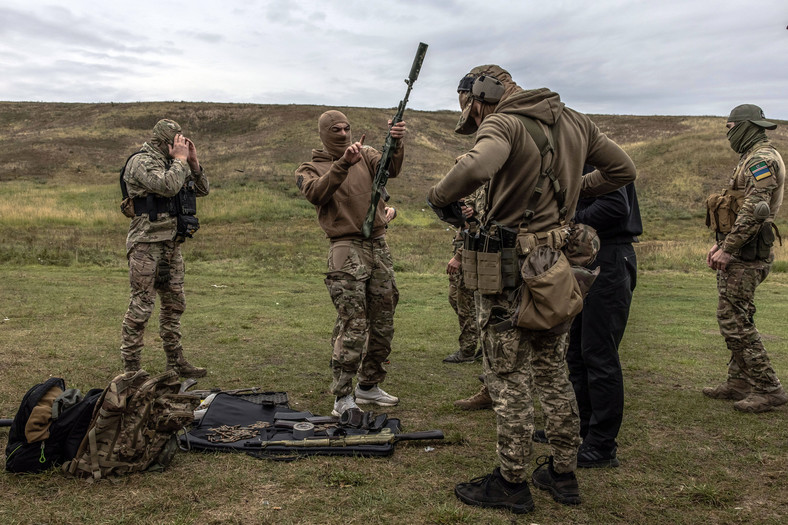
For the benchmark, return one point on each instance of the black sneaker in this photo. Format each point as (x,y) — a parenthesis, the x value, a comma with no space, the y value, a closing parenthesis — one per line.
(563,487)
(539,436)
(589,456)
(494,491)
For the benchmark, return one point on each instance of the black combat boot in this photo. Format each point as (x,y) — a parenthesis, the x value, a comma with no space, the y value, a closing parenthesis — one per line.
(493,490)
(539,436)
(563,487)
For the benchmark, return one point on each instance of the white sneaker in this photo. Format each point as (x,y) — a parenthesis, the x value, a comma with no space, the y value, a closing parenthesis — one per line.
(344,403)
(377,396)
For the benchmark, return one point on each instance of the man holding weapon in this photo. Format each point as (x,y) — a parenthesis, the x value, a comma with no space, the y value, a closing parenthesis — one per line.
(360,274)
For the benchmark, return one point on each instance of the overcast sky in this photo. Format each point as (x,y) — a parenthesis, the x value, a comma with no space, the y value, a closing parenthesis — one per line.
(655,57)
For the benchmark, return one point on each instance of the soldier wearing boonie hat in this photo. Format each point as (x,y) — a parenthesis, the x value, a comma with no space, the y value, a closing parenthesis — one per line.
(743,258)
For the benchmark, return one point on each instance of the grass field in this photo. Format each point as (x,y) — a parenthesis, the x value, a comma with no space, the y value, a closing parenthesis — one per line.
(685,458)
(258,315)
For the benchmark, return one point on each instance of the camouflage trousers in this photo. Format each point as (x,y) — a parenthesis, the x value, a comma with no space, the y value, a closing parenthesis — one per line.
(735,316)
(517,362)
(360,280)
(462,301)
(154,268)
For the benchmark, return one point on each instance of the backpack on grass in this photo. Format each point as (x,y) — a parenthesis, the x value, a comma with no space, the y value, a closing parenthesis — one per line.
(49,426)
(134,426)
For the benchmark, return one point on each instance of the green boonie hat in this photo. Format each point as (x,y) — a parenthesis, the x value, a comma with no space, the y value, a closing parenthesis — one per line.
(751,113)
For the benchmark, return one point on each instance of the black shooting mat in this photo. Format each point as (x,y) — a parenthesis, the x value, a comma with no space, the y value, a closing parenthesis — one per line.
(257,420)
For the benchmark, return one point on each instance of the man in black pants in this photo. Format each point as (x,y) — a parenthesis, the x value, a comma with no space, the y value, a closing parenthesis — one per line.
(592,357)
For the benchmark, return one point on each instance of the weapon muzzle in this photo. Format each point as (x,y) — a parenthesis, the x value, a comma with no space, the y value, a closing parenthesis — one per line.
(417,61)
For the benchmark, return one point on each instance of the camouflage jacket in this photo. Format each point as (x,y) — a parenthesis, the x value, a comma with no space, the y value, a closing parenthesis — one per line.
(152,172)
(761,175)
(478,201)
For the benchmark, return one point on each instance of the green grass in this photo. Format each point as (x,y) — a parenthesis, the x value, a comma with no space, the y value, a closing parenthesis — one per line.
(258,314)
(685,458)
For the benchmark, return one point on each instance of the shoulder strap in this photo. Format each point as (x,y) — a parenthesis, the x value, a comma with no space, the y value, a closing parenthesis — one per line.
(546,172)
(123,190)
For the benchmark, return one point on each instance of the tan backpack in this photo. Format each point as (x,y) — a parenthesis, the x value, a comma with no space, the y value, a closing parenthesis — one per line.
(134,426)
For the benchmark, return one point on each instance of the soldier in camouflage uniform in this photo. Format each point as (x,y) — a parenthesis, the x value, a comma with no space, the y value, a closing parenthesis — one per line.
(461,298)
(743,258)
(506,156)
(481,400)
(153,177)
(360,277)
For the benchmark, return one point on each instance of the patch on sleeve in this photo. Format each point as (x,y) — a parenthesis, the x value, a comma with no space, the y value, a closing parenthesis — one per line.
(760,171)
(300,181)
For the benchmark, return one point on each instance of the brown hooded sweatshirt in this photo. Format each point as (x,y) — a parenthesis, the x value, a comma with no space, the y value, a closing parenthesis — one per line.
(507,156)
(341,193)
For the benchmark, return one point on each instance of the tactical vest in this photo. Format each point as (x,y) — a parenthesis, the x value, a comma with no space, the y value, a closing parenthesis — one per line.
(183,205)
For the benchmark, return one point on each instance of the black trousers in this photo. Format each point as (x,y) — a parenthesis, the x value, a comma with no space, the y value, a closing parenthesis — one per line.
(592,357)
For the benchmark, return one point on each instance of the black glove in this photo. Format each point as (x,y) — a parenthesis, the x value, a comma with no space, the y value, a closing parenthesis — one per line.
(451,213)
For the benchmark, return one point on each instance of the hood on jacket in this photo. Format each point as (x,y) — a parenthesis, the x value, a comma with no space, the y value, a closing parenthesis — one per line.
(540,104)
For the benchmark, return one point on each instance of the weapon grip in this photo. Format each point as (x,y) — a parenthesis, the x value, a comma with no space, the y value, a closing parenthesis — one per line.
(424,434)
(369,222)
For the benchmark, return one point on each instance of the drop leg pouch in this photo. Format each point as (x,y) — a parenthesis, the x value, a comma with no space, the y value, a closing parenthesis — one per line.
(550,293)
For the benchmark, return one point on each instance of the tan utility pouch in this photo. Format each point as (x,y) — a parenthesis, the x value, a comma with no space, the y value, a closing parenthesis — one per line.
(510,268)
(527,241)
(127,207)
(488,270)
(469,276)
(721,210)
(548,297)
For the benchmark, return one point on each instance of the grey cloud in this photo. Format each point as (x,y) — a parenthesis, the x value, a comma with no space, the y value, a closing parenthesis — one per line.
(614,56)
(61,28)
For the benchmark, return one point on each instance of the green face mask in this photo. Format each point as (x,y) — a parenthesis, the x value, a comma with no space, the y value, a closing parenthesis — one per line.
(743,135)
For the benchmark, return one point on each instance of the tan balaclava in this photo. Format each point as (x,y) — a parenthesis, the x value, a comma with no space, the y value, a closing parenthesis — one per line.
(334,143)
(164,134)
(467,124)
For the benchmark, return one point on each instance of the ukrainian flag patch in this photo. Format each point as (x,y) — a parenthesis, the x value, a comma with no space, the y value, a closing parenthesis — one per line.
(760,171)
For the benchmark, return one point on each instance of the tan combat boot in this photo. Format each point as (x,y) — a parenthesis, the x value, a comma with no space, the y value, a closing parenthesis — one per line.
(732,389)
(758,402)
(479,401)
(176,361)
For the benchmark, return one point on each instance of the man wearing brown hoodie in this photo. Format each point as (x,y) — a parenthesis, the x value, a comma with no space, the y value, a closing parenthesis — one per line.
(505,154)
(360,274)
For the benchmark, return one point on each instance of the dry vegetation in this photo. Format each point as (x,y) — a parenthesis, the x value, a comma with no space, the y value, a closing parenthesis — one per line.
(258,315)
